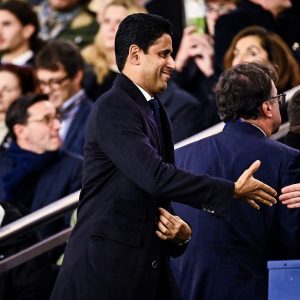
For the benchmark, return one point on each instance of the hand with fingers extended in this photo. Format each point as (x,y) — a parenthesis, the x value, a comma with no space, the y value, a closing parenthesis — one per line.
(172,228)
(252,190)
(291,196)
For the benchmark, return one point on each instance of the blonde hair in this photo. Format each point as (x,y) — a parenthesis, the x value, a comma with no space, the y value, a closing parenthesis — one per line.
(96,55)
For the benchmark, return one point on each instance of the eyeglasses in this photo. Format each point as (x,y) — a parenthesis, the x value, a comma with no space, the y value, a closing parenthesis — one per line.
(47,120)
(280,98)
(53,83)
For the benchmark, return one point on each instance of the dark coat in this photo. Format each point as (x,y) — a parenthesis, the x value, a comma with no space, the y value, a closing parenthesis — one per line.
(61,177)
(113,252)
(227,258)
(75,137)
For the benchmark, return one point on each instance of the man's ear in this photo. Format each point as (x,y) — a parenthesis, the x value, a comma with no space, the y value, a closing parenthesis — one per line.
(28,31)
(134,55)
(267,109)
(78,77)
(19,131)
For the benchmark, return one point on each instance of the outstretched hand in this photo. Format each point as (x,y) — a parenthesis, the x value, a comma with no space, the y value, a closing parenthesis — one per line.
(252,190)
(291,196)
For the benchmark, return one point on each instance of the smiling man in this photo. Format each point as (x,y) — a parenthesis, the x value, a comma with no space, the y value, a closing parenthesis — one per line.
(33,171)
(123,238)
(59,70)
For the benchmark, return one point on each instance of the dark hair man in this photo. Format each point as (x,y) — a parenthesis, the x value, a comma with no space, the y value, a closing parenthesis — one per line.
(60,71)
(227,258)
(129,173)
(19,29)
(33,171)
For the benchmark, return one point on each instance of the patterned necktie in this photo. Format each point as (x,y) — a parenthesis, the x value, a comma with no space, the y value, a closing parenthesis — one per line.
(156,113)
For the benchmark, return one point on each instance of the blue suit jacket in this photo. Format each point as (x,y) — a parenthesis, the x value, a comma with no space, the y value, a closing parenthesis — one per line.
(227,258)
(125,180)
(74,141)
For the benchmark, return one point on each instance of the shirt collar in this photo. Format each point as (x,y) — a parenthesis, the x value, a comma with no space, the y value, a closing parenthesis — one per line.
(146,94)
(71,100)
(21,59)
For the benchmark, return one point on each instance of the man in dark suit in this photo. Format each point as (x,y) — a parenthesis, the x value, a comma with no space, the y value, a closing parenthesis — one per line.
(60,71)
(116,250)
(227,258)
(33,171)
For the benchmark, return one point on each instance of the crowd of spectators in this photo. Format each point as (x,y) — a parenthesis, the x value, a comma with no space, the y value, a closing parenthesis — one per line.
(57,57)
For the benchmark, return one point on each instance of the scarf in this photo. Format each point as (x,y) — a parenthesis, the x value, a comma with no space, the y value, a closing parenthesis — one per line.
(20,182)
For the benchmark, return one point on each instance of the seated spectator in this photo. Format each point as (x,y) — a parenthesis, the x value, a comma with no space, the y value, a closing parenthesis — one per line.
(68,19)
(19,40)
(31,280)
(292,138)
(272,15)
(14,82)
(256,43)
(33,171)
(60,72)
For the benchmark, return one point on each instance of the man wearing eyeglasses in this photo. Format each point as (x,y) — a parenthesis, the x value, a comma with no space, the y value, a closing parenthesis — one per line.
(60,69)
(33,171)
(227,258)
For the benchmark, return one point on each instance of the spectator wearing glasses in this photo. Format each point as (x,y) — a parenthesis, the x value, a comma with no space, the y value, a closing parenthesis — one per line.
(60,71)
(227,258)
(33,171)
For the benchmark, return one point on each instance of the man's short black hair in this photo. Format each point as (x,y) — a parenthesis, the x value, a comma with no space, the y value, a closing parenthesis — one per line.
(242,89)
(141,30)
(17,113)
(26,15)
(60,54)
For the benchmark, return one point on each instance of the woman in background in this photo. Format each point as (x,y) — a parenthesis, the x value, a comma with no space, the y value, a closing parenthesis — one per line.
(14,82)
(256,43)
(101,55)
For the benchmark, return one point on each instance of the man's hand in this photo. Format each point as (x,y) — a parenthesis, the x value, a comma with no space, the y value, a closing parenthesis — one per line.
(253,190)
(172,228)
(291,196)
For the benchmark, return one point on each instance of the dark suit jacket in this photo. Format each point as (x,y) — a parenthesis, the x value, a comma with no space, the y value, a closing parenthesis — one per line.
(61,178)
(75,137)
(227,258)
(113,252)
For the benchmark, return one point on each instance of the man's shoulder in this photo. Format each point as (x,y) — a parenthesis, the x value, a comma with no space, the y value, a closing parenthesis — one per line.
(67,161)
